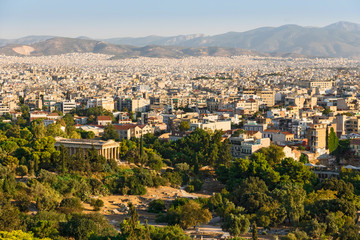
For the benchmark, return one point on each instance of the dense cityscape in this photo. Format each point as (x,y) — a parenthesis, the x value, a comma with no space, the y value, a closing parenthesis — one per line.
(178,148)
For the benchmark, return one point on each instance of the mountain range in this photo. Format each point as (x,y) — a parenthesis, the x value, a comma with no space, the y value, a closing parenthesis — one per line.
(341,39)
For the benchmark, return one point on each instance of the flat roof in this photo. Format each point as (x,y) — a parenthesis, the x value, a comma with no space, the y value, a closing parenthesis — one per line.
(60,140)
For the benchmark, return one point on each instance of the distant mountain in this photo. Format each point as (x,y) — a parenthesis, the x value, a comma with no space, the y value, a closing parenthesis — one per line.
(60,45)
(25,40)
(154,40)
(340,39)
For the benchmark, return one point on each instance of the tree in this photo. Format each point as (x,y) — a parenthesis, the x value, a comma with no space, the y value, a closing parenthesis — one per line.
(254,233)
(192,214)
(9,146)
(97,204)
(38,129)
(303,159)
(156,206)
(46,203)
(293,171)
(143,155)
(349,232)
(273,154)
(69,119)
(64,158)
(184,126)
(130,227)
(54,130)
(292,197)
(123,149)
(169,232)
(333,141)
(110,133)
(69,205)
(9,217)
(84,226)
(14,131)
(21,170)
(26,134)
(236,224)
(316,229)
(19,235)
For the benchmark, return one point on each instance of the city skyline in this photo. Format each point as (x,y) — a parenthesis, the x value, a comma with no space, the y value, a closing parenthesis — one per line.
(143,18)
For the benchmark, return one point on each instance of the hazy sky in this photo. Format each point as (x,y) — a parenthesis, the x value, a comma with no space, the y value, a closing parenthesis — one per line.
(134,18)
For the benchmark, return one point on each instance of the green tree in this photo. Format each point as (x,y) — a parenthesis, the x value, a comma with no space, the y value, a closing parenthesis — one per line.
(184,126)
(130,227)
(236,224)
(169,232)
(156,206)
(192,215)
(63,158)
(254,232)
(293,171)
(9,217)
(292,198)
(85,226)
(273,154)
(69,205)
(26,134)
(97,204)
(19,235)
(110,133)
(54,130)
(21,170)
(38,129)
(349,232)
(303,159)
(333,141)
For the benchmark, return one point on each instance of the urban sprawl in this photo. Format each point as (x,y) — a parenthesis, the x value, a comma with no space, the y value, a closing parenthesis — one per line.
(305,109)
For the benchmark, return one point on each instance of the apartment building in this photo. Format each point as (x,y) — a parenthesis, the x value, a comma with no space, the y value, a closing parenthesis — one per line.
(241,148)
(127,131)
(355,146)
(67,106)
(278,137)
(106,103)
(316,135)
(254,126)
(134,105)
(103,120)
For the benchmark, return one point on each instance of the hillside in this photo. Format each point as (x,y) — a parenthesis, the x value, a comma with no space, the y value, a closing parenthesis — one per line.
(60,45)
(340,39)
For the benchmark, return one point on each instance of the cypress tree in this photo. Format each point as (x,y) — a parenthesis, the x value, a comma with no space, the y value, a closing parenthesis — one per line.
(254,232)
(333,141)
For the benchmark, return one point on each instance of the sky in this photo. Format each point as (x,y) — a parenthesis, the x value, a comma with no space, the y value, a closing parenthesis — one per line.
(138,18)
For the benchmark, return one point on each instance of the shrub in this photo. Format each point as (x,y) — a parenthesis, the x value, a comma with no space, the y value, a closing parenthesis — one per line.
(174,178)
(69,205)
(97,204)
(23,201)
(194,185)
(46,203)
(21,170)
(156,206)
(190,188)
